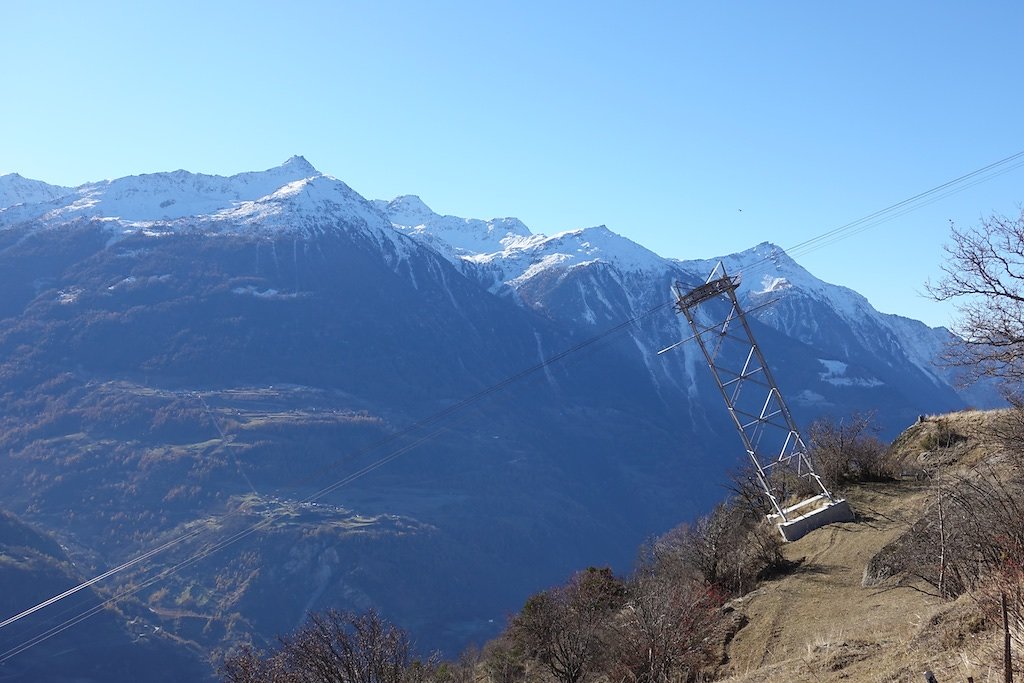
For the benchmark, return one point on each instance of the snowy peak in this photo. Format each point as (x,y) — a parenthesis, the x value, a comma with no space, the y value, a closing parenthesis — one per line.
(452,236)
(293,197)
(16,189)
(408,211)
(570,249)
(601,244)
(503,252)
(768,270)
(799,304)
(156,197)
(312,205)
(297,165)
(766,260)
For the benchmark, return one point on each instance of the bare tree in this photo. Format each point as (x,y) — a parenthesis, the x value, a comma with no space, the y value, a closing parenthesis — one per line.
(849,449)
(730,549)
(702,546)
(333,647)
(463,670)
(994,508)
(503,660)
(245,664)
(1008,431)
(563,628)
(984,274)
(970,540)
(663,629)
(346,647)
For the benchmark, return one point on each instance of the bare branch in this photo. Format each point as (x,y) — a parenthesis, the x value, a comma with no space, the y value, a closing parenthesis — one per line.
(984,275)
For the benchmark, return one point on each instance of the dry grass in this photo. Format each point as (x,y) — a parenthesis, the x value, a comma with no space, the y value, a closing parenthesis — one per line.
(819,624)
(938,442)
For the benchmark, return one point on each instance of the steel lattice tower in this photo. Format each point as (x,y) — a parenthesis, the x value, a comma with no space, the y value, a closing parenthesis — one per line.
(755,404)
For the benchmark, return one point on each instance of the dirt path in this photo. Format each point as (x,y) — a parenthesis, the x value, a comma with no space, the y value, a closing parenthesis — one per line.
(818,623)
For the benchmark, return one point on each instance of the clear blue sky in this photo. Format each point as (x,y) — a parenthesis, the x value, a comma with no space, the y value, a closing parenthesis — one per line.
(661,120)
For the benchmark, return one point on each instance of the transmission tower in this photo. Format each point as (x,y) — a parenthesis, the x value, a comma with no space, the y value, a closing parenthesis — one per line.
(759,413)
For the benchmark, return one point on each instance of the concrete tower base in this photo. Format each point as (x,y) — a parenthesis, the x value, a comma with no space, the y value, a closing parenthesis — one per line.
(798,527)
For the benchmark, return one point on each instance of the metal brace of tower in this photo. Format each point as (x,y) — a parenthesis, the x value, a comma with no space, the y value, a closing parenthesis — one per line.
(759,413)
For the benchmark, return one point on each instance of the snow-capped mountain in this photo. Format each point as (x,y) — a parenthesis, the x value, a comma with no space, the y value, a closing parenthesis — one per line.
(162,335)
(595,277)
(14,189)
(503,253)
(583,279)
(291,199)
(837,319)
(310,328)
(156,197)
(452,236)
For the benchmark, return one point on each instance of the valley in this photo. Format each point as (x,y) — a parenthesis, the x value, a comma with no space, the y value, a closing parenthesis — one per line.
(319,400)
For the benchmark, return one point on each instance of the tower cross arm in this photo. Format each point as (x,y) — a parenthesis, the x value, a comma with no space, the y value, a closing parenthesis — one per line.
(709,290)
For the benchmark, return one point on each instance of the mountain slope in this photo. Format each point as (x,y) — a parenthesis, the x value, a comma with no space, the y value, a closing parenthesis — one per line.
(15,189)
(181,351)
(113,646)
(158,374)
(838,352)
(830,619)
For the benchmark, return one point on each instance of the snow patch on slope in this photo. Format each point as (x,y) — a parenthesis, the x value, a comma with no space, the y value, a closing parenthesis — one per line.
(269,293)
(836,374)
(771,284)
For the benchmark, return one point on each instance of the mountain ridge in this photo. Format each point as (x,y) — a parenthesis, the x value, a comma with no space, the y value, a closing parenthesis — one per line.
(154,197)
(777,275)
(16,189)
(501,254)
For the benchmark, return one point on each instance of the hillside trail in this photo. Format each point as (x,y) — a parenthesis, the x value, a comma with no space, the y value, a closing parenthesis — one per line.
(818,623)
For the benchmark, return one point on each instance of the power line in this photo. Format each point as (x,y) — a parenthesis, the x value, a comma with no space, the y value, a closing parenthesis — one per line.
(932,197)
(430,420)
(919,200)
(96,579)
(204,553)
(910,200)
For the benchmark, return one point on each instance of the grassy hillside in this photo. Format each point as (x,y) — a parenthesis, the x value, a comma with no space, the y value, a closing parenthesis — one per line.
(832,618)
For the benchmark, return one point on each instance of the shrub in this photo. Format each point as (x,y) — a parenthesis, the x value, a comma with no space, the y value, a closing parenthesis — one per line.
(850,451)
(730,549)
(942,436)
